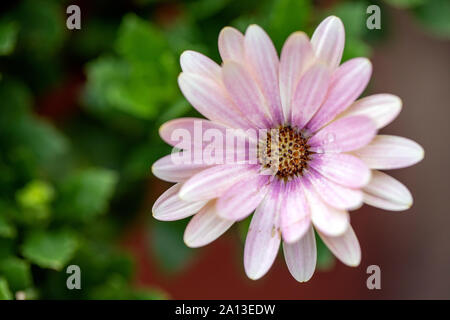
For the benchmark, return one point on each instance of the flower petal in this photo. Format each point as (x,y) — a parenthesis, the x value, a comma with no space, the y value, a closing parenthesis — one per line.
(231,45)
(263,237)
(309,94)
(296,57)
(173,131)
(329,220)
(294,212)
(328,41)
(169,206)
(263,61)
(347,83)
(345,134)
(334,194)
(197,63)
(210,99)
(342,168)
(345,247)
(245,94)
(171,170)
(213,182)
(243,198)
(385,192)
(301,256)
(390,152)
(381,108)
(205,227)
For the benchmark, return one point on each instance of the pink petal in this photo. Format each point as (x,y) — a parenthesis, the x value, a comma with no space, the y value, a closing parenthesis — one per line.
(334,194)
(347,83)
(210,99)
(172,131)
(296,56)
(345,247)
(170,207)
(197,63)
(381,108)
(385,192)
(263,61)
(245,94)
(329,220)
(205,227)
(301,256)
(345,134)
(342,168)
(176,171)
(231,45)
(242,198)
(263,237)
(294,212)
(309,94)
(390,152)
(328,41)
(213,182)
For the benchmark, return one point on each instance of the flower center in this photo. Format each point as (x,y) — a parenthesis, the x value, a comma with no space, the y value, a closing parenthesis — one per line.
(284,151)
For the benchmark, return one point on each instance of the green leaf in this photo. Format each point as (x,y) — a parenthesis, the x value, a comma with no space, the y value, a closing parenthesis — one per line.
(118,288)
(8,37)
(7,229)
(166,240)
(17,272)
(50,249)
(5,293)
(43,29)
(286,17)
(34,199)
(325,259)
(406,3)
(86,194)
(435,16)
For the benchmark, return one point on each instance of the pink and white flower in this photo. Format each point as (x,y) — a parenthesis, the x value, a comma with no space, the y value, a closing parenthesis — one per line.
(328,153)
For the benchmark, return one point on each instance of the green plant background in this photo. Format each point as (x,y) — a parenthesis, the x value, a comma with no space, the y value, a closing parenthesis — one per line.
(74,173)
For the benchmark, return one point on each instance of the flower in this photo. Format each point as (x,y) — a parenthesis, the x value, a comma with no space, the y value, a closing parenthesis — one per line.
(322,157)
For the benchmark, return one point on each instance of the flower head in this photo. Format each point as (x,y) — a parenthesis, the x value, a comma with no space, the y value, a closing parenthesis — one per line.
(308,151)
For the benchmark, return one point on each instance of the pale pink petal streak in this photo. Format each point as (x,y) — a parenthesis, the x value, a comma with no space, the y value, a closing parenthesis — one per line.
(381,108)
(385,192)
(262,60)
(346,134)
(294,212)
(328,41)
(342,168)
(205,227)
(301,256)
(263,237)
(210,99)
(231,45)
(309,94)
(296,57)
(176,171)
(390,152)
(194,62)
(169,206)
(327,219)
(243,198)
(347,83)
(245,94)
(213,182)
(334,194)
(345,247)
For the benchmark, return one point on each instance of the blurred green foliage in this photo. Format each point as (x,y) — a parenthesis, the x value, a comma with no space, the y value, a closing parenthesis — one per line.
(73,179)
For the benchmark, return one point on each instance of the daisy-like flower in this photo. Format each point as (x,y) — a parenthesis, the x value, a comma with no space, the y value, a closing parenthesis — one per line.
(325,160)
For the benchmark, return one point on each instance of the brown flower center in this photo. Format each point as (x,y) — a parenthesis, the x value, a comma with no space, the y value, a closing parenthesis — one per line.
(285,151)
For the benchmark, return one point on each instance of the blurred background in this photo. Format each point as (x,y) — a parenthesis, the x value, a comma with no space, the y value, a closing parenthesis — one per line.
(79,118)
